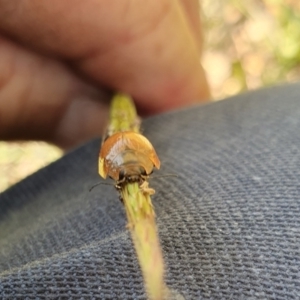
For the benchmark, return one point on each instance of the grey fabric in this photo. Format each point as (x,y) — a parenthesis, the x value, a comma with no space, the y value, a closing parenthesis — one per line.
(229,224)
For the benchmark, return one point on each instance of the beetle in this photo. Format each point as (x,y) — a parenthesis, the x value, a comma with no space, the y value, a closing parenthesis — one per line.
(127,157)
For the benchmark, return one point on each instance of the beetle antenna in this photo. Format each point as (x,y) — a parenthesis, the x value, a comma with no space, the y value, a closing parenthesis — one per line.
(99,183)
(164,175)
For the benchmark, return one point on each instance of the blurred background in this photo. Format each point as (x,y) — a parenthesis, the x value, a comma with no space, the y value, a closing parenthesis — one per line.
(248,45)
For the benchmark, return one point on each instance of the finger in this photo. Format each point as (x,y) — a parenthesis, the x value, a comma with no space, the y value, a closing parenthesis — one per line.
(144,48)
(192,9)
(41,99)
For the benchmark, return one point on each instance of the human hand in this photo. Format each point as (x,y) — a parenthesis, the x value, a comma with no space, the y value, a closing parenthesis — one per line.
(56,56)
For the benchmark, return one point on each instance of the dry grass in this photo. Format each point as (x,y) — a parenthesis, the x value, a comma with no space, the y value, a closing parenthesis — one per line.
(18,160)
(249,44)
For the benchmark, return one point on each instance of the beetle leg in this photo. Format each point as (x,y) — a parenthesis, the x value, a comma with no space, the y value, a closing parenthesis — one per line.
(146,189)
(121,199)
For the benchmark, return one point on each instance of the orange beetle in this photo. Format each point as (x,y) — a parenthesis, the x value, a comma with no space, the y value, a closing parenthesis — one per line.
(127,157)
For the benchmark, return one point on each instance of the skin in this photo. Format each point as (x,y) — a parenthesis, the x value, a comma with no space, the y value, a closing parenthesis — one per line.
(59,59)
